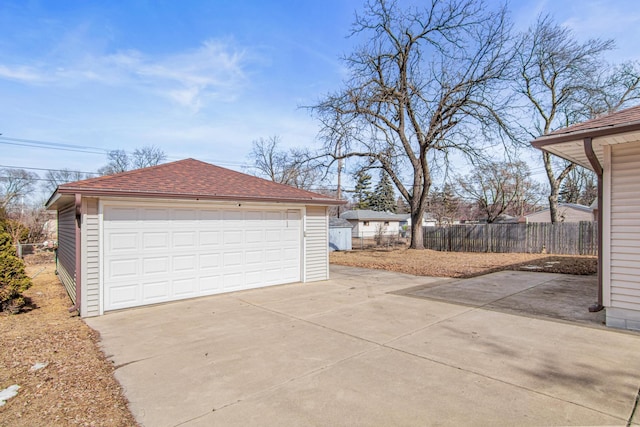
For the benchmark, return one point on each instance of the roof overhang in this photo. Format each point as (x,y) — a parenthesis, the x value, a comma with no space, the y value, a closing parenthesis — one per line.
(63,197)
(571,146)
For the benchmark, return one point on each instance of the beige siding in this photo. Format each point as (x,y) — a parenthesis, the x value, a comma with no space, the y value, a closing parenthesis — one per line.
(316,244)
(625,227)
(67,249)
(90,300)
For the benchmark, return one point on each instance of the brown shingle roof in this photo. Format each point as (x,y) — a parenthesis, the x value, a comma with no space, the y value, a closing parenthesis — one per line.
(192,178)
(626,116)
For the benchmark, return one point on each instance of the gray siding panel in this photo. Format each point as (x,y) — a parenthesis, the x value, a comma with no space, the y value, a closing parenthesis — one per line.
(625,227)
(66,265)
(91,258)
(317,244)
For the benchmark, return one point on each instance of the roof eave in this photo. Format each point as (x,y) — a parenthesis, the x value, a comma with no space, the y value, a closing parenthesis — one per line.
(560,138)
(195,196)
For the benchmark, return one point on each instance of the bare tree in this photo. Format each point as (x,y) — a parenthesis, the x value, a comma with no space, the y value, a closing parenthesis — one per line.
(119,161)
(564,82)
(15,184)
(291,167)
(500,188)
(54,178)
(149,155)
(579,187)
(421,87)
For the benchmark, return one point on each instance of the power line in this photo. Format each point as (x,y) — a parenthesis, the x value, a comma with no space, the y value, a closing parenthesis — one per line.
(45,169)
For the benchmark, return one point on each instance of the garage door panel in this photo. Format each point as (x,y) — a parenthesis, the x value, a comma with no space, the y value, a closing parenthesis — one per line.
(209,239)
(210,284)
(232,259)
(184,239)
(185,287)
(124,295)
(253,236)
(210,261)
(155,240)
(232,237)
(155,291)
(185,263)
(122,269)
(232,281)
(254,257)
(273,236)
(122,242)
(157,265)
(153,254)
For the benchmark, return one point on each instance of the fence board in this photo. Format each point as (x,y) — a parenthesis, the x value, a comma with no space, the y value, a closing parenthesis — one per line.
(564,238)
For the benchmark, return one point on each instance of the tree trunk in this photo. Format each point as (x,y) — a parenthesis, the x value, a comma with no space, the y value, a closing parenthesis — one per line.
(553,204)
(417,239)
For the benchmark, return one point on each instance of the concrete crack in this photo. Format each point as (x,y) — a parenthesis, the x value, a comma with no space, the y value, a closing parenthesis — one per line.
(633,411)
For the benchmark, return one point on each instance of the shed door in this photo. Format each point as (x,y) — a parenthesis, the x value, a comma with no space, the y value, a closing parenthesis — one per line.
(155,254)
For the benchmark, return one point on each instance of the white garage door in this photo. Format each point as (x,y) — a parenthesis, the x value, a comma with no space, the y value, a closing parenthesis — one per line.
(155,254)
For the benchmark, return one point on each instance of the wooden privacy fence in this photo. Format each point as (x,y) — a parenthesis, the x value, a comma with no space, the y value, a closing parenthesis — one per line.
(565,238)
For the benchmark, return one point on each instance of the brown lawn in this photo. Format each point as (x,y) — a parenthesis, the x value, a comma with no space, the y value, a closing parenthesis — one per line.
(77,386)
(461,264)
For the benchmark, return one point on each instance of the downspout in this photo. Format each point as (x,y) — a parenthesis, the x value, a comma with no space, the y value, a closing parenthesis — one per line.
(597,168)
(78,245)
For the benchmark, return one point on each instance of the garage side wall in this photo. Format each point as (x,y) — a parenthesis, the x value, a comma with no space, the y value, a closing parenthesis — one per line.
(624,271)
(317,244)
(66,262)
(90,300)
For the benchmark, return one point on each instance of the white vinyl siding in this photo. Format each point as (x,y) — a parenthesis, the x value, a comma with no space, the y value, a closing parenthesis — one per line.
(66,265)
(90,299)
(624,267)
(317,244)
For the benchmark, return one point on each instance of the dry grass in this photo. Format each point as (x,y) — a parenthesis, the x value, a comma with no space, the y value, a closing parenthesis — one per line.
(77,386)
(462,264)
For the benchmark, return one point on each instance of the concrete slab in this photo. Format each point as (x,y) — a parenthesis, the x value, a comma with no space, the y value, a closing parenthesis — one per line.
(388,388)
(382,320)
(566,297)
(594,368)
(482,290)
(344,352)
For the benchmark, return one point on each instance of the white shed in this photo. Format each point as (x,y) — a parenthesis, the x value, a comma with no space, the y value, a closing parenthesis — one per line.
(610,146)
(182,230)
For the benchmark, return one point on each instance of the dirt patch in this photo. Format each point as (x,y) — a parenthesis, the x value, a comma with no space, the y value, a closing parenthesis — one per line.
(74,384)
(462,264)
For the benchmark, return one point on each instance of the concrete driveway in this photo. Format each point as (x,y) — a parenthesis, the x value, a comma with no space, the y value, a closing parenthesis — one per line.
(346,352)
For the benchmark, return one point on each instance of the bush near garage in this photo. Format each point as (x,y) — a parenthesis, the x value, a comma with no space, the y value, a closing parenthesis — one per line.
(13,279)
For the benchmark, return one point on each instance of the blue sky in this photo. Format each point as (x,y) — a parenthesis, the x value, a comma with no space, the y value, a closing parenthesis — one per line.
(199,79)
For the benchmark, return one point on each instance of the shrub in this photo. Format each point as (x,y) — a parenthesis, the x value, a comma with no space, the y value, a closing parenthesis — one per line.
(13,279)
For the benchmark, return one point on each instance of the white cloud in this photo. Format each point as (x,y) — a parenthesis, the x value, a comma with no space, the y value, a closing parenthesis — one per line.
(213,71)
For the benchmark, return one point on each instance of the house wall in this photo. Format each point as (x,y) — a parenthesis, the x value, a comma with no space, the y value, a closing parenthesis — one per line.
(66,262)
(371,229)
(316,244)
(90,299)
(622,224)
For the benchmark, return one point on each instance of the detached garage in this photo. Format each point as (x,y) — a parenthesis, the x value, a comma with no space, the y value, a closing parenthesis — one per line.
(183,230)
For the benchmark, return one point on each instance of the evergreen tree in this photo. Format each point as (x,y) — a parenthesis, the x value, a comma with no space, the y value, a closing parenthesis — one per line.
(362,192)
(383,198)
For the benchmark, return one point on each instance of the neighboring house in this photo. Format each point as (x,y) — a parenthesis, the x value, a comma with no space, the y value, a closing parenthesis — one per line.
(368,223)
(428,220)
(567,212)
(181,230)
(610,146)
(339,234)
